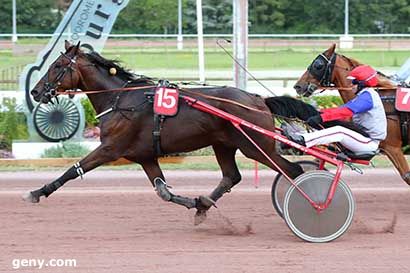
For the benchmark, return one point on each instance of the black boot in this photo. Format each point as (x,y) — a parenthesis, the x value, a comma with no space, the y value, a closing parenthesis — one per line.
(292,136)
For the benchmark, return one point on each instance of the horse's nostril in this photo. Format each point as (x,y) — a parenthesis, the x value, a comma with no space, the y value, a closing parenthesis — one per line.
(34,92)
(297,87)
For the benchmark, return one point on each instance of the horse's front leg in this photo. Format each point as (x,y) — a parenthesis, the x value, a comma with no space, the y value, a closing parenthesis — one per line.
(157,179)
(103,154)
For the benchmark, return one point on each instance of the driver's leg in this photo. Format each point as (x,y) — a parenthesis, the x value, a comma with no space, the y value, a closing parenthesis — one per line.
(348,138)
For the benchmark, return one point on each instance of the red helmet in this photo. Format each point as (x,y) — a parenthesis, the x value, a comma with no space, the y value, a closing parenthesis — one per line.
(364,73)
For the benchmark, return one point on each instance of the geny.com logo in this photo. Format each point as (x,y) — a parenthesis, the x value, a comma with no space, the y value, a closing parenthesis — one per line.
(41,263)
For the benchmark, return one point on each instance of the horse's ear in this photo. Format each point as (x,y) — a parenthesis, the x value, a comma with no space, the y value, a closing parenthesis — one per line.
(331,49)
(77,48)
(67,45)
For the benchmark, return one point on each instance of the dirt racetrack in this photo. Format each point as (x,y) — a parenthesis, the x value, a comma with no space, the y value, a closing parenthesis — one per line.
(112,221)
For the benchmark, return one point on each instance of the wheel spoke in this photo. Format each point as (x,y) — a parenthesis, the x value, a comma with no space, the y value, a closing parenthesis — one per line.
(57,122)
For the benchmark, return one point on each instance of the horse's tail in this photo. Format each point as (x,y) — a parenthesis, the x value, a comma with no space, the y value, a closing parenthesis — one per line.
(293,108)
(290,107)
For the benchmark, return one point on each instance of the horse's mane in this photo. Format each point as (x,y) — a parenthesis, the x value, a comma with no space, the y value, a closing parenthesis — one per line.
(383,80)
(122,72)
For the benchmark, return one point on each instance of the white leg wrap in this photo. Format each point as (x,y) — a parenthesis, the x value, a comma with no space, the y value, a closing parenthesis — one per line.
(79,170)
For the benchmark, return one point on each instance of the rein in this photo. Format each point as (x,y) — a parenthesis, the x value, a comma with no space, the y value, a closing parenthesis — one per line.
(225,100)
(69,92)
(330,65)
(72,92)
(323,88)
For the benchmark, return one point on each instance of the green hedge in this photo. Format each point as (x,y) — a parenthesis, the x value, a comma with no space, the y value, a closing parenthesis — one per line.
(89,112)
(322,102)
(66,150)
(13,124)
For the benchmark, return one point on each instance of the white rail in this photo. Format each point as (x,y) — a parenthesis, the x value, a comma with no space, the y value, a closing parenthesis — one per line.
(393,35)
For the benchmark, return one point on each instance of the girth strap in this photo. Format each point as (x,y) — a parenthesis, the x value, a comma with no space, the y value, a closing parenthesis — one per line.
(156,134)
(404,126)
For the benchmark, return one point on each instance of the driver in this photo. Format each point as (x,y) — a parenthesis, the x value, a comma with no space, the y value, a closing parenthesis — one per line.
(366,110)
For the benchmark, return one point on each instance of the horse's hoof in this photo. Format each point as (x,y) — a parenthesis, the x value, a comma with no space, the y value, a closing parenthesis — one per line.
(406,177)
(29,197)
(200,217)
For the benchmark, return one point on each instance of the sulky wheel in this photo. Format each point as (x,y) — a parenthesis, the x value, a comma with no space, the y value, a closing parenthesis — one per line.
(57,122)
(281,185)
(310,225)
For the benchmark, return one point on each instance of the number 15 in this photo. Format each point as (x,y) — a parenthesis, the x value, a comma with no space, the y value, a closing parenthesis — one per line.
(166,98)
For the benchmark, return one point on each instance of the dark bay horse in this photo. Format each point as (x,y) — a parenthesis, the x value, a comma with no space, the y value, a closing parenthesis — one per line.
(127,131)
(330,69)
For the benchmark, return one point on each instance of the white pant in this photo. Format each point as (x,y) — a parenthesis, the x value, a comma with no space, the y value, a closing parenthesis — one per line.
(348,138)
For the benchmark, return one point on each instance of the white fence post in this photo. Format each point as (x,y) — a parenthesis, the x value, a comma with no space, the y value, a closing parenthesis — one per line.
(240,42)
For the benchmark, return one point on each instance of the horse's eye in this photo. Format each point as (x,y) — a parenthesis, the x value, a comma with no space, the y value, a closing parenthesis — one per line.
(318,65)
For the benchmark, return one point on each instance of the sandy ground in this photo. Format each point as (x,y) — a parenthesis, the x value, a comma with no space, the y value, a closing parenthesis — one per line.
(112,221)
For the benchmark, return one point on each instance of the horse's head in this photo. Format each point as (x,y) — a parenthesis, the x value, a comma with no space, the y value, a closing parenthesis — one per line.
(63,74)
(322,73)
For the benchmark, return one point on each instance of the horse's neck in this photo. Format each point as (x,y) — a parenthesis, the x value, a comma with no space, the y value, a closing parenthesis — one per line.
(341,81)
(345,94)
(97,81)
(384,82)
(340,77)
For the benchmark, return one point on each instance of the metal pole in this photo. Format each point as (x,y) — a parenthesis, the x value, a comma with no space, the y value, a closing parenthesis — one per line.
(346,17)
(14,36)
(240,42)
(201,58)
(180,44)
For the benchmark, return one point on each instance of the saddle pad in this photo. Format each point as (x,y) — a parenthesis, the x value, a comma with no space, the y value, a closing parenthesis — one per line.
(166,101)
(403,99)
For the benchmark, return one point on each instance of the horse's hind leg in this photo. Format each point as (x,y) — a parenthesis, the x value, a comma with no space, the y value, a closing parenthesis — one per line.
(230,177)
(103,154)
(157,179)
(396,156)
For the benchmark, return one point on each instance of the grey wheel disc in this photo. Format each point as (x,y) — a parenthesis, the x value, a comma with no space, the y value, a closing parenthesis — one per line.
(57,122)
(305,222)
(281,185)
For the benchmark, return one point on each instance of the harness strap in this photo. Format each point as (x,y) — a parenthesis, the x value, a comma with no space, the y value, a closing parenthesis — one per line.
(404,125)
(158,120)
(224,100)
(156,134)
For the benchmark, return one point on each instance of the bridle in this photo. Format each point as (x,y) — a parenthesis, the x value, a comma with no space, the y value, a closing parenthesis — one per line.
(321,69)
(52,87)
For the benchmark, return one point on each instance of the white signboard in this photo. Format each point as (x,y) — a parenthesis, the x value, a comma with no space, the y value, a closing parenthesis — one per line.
(86,21)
